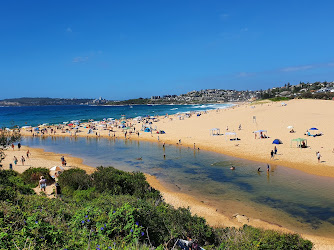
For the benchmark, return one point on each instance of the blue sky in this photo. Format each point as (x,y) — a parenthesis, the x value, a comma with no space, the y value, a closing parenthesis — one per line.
(122,49)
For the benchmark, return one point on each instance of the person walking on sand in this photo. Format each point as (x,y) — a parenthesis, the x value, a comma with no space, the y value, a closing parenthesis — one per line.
(42,183)
(28,153)
(13,146)
(19,146)
(272,154)
(268,168)
(275,150)
(23,160)
(58,190)
(15,160)
(318,156)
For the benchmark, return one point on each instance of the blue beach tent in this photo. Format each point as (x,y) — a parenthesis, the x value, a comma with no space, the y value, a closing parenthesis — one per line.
(277,141)
(313,129)
(147,130)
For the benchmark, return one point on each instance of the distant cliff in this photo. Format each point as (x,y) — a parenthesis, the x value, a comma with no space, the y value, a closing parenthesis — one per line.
(27,101)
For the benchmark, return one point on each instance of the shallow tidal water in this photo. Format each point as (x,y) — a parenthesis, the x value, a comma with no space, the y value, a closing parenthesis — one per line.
(284,196)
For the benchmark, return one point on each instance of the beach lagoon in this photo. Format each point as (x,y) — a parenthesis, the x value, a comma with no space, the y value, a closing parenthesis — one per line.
(283,196)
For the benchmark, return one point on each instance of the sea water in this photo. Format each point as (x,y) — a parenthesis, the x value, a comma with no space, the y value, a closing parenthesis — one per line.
(35,115)
(283,196)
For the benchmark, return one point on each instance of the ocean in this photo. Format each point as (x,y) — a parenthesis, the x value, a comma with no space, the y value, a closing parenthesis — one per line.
(35,115)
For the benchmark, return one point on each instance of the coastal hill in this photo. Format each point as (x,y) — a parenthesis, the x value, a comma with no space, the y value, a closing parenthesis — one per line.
(316,90)
(42,101)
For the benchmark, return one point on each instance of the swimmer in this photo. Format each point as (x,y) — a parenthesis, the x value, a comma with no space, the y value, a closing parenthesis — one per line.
(259,170)
(139,159)
(232,168)
(268,167)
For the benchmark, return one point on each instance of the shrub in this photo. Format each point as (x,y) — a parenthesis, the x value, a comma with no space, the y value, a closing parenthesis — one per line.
(11,184)
(279,99)
(114,181)
(249,237)
(74,179)
(32,176)
(88,219)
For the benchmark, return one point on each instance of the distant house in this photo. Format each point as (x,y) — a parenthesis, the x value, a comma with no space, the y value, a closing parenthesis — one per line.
(285,93)
(322,90)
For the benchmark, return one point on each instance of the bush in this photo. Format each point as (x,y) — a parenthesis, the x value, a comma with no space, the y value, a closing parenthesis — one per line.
(249,237)
(32,176)
(89,219)
(11,184)
(74,179)
(111,180)
(279,99)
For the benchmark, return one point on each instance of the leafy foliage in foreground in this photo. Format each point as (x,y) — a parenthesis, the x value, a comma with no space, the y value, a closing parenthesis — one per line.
(112,209)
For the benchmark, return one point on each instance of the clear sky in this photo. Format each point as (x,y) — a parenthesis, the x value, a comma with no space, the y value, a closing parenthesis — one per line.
(121,49)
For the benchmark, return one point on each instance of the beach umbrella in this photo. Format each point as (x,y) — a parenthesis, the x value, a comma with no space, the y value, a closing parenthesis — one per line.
(290,127)
(313,129)
(57,168)
(277,141)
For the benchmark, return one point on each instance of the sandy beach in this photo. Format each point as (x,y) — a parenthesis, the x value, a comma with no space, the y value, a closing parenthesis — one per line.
(273,117)
(189,129)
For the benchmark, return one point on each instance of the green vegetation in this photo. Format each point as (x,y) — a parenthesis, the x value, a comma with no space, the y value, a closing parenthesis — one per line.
(32,176)
(321,95)
(41,101)
(279,99)
(6,139)
(112,209)
(138,101)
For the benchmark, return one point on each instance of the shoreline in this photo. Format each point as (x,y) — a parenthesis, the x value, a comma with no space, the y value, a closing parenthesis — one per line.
(190,131)
(41,158)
